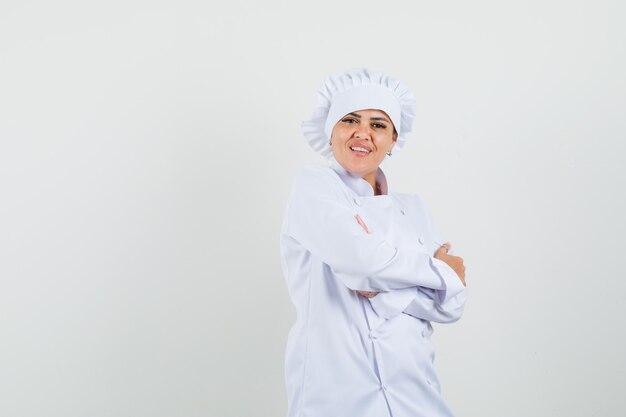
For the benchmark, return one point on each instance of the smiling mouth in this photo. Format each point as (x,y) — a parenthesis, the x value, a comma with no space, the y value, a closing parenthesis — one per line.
(360,150)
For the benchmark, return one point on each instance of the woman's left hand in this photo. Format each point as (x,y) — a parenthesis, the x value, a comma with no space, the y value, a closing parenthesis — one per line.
(367,294)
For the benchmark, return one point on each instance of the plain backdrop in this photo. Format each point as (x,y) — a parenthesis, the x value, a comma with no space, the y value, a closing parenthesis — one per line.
(146,154)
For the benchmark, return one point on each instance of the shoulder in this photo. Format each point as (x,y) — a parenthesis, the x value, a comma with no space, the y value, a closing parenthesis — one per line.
(314,171)
(315,186)
(312,175)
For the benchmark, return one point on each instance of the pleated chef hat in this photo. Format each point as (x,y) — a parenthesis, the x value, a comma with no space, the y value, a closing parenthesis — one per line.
(358,89)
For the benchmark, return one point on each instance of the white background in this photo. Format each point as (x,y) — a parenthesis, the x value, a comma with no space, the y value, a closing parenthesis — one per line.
(146,153)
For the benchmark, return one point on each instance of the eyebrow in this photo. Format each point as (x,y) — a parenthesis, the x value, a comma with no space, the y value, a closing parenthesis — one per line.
(384,119)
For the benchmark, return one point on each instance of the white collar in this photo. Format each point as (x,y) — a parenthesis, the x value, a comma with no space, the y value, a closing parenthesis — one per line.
(358,184)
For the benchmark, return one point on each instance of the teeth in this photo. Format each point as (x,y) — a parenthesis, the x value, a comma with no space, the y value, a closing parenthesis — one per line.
(358,148)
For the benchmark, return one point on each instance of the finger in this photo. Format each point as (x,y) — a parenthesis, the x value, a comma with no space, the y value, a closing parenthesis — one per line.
(443,250)
(367,294)
(439,253)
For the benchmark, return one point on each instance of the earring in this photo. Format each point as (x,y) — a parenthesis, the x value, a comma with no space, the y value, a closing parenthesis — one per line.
(389,153)
(330,143)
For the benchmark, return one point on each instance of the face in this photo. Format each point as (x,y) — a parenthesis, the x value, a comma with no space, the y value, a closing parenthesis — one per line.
(360,141)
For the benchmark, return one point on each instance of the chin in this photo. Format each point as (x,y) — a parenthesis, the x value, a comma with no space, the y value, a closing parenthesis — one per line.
(359,170)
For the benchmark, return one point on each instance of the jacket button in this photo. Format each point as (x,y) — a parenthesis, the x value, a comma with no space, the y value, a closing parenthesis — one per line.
(420,240)
(402,211)
(356,201)
(373,335)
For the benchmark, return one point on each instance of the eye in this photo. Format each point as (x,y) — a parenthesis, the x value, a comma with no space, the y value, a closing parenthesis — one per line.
(379,126)
(349,120)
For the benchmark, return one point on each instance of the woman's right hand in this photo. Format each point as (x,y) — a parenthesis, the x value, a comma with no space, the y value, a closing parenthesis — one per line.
(454,262)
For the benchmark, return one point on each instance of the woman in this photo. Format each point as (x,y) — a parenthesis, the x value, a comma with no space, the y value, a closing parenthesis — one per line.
(365,266)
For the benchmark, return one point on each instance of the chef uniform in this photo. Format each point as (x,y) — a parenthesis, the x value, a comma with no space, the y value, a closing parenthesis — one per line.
(347,355)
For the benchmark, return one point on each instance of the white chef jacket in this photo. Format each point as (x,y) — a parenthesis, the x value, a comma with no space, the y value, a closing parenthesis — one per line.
(347,355)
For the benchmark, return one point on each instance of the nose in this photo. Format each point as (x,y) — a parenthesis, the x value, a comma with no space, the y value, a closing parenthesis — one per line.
(362,131)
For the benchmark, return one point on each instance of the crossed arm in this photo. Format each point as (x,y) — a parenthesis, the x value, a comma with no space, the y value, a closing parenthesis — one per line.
(420,302)
(396,278)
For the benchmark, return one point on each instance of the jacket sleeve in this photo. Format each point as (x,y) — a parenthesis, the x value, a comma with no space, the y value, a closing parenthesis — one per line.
(428,305)
(441,306)
(438,305)
(322,220)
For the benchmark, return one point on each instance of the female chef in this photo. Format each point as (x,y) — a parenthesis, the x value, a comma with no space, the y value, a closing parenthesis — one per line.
(365,266)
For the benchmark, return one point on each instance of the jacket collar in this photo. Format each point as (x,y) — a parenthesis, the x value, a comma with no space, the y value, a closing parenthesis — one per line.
(358,184)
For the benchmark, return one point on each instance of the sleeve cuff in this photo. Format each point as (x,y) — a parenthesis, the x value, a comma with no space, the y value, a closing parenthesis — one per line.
(451,282)
(390,304)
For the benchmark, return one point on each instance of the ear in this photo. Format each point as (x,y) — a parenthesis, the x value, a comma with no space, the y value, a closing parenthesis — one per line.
(394,138)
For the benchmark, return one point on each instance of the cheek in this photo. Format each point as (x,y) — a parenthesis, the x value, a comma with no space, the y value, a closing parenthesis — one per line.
(383,141)
(340,134)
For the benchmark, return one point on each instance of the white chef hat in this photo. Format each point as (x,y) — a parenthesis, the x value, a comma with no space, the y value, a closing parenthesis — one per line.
(358,89)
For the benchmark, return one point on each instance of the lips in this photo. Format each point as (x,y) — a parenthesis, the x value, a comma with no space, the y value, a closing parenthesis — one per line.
(361,149)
